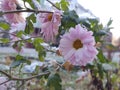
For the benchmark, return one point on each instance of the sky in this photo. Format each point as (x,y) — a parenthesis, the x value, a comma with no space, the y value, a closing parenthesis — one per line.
(105,9)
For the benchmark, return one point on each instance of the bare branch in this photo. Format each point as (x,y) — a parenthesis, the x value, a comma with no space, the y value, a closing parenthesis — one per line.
(27,10)
(5,82)
(2,32)
(24,79)
(3,72)
(22,39)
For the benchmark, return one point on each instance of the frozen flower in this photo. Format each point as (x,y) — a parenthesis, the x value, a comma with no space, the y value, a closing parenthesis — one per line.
(77,46)
(11,5)
(50,25)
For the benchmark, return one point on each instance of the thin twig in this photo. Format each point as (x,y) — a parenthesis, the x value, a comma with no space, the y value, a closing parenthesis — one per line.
(53,4)
(5,82)
(22,39)
(27,10)
(24,79)
(3,72)
(7,33)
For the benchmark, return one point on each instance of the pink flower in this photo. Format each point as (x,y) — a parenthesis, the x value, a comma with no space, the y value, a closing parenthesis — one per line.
(50,25)
(77,46)
(11,5)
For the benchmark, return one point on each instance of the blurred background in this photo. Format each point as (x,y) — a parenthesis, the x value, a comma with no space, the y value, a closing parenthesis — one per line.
(105,9)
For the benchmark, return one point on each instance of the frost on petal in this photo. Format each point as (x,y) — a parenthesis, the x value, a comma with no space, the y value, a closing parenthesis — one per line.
(77,46)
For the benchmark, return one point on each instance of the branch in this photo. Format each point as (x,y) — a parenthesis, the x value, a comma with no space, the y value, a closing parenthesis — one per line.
(27,10)
(21,39)
(3,72)
(5,82)
(2,32)
(24,39)
(26,79)
(23,79)
(53,5)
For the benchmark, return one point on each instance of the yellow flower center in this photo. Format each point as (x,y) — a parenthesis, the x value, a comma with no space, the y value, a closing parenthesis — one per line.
(50,16)
(77,44)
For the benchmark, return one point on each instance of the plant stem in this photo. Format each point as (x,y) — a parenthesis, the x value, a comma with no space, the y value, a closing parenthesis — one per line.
(23,79)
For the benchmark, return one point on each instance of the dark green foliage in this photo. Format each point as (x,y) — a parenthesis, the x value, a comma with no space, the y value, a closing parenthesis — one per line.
(19,60)
(101,57)
(39,48)
(29,25)
(69,19)
(54,82)
(63,5)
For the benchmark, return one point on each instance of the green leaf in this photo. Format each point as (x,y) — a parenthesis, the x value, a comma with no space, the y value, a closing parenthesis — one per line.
(39,48)
(4,26)
(29,27)
(109,22)
(63,5)
(30,3)
(57,5)
(16,63)
(101,57)
(54,82)
(101,33)
(100,70)
(20,34)
(41,55)
(114,78)
(19,57)
(29,40)
(19,60)
(69,19)
(32,17)
(4,40)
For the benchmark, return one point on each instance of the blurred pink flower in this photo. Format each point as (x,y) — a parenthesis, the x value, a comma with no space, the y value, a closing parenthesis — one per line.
(11,5)
(77,46)
(50,25)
